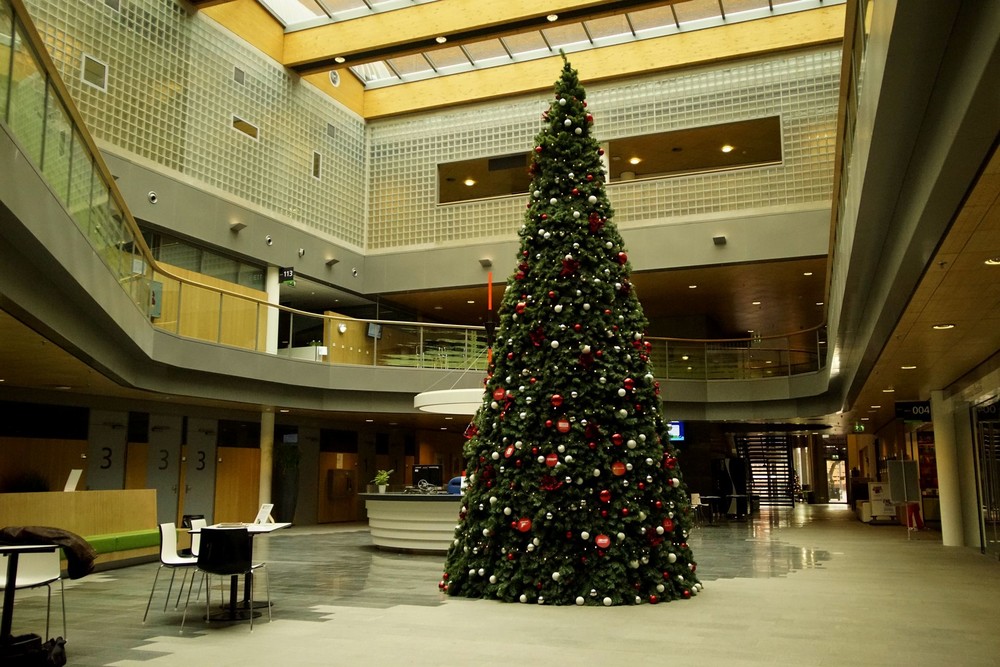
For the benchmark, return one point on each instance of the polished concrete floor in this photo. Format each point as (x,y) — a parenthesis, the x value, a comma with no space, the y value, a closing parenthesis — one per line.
(809,586)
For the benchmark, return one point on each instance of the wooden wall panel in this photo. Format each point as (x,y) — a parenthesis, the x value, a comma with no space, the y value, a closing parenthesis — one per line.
(237,485)
(50,459)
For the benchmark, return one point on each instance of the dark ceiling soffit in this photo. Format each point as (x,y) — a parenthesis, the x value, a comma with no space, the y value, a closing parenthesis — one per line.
(430,44)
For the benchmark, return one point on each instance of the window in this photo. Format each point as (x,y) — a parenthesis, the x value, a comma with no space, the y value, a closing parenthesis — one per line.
(245,127)
(94,73)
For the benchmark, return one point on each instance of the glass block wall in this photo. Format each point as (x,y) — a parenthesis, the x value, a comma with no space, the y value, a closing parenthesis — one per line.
(801,88)
(172,93)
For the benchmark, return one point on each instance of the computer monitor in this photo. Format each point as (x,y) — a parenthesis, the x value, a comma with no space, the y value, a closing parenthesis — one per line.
(430,474)
(676,430)
(374,330)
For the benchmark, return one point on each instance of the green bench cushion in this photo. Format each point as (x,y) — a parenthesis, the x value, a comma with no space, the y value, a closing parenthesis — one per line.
(133,539)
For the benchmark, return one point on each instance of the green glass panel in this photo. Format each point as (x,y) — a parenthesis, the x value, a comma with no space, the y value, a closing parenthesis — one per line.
(57,147)
(6,30)
(27,98)
(80,182)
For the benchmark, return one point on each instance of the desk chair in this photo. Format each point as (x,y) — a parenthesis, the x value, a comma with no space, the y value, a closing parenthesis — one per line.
(35,570)
(228,552)
(169,558)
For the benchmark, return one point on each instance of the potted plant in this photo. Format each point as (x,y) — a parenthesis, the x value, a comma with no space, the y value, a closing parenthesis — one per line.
(381,479)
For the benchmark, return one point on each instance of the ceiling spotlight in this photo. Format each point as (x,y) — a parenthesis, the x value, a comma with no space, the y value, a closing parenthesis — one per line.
(727,148)
(634,160)
(888,390)
(470,182)
(876,407)
(692,287)
(992,261)
(340,60)
(942,327)
(552,17)
(471,301)
(755,303)
(807,273)
(441,40)
(342,327)
(907,368)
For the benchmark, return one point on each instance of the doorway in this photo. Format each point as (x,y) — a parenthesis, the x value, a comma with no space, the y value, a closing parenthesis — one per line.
(836,477)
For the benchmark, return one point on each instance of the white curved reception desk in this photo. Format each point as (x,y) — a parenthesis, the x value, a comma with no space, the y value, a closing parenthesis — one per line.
(412,521)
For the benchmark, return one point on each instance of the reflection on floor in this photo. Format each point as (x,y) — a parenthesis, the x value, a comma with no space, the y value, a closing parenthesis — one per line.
(803,586)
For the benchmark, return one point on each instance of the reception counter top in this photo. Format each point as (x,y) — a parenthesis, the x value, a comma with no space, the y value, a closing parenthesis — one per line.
(412,521)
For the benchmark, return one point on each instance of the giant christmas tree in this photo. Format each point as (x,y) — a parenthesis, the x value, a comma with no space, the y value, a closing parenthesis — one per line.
(574,492)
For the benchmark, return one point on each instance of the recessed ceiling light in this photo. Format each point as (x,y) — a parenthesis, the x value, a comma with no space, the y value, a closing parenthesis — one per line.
(471,301)
(942,327)
(807,273)
(888,390)
(470,182)
(552,17)
(876,407)
(685,357)
(438,307)
(755,303)
(369,421)
(283,410)
(634,160)
(907,368)
(864,419)
(448,419)
(692,287)
(992,261)
(727,148)
(819,303)
(441,40)
(340,59)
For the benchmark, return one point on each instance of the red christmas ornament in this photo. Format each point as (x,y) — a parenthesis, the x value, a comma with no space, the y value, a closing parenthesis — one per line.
(569,535)
(524,525)
(510,355)
(563,426)
(629,384)
(538,149)
(592,445)
(552,294)
(668,525)
(534,451)
(548,423)
(605,496)
(519,308)
(498,394)
(602,541)
(642,486)
(556,400)
(551,460)
(617,439)
(686,594)
(653,599)
(618,468)
(604,514)
(510,556)
(576,191)
(590,177)
(509,452)
(577,327)
(624,511)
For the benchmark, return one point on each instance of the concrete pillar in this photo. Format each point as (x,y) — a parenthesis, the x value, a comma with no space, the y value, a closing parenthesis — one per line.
(266,455)
(949,480)
(273,288)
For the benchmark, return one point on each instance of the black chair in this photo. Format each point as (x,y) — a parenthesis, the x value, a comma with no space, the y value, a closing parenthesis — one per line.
(228,552)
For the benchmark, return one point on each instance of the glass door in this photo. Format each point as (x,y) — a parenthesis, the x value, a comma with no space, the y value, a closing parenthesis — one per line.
(987,419)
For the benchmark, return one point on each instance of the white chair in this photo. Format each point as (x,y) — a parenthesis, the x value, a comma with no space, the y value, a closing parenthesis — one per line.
(696,508)
(196,525)
(171,559)
(35,570)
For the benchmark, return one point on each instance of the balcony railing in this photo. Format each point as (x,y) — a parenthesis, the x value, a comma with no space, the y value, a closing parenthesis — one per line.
(38,111)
